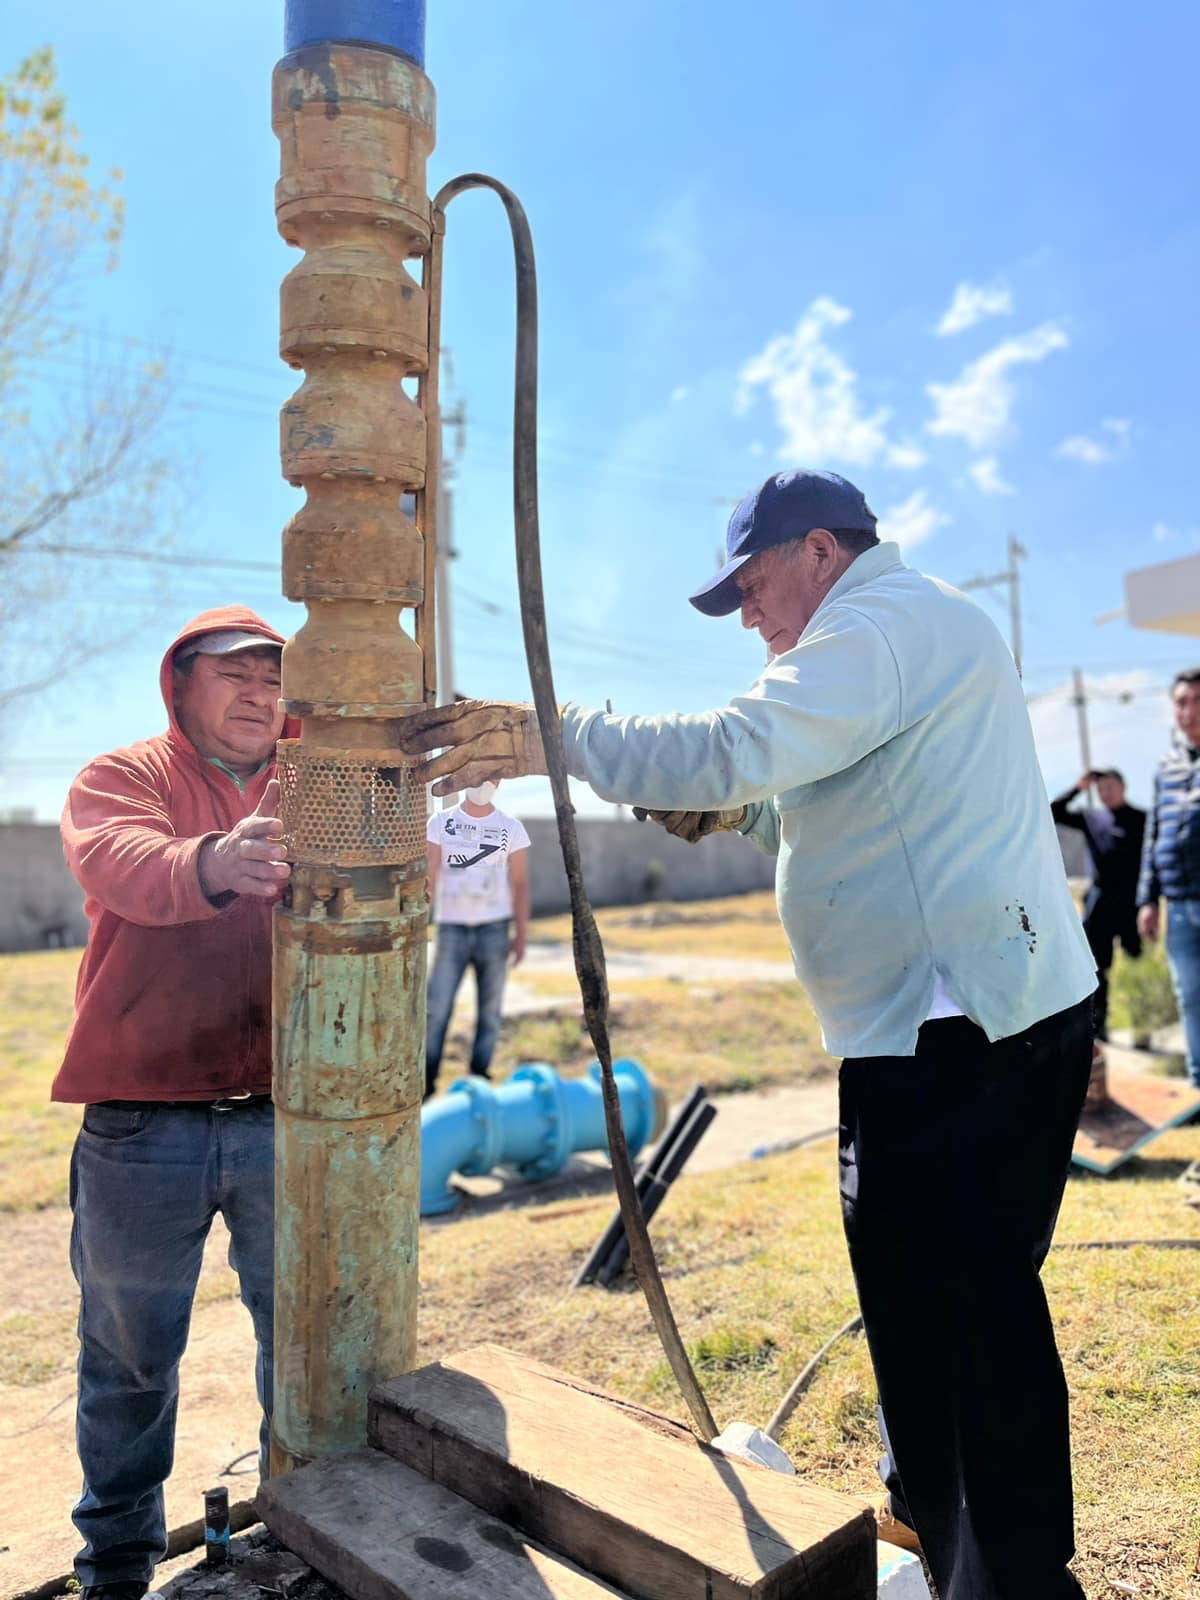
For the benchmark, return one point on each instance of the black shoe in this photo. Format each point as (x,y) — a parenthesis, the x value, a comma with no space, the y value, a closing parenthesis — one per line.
(129,1589)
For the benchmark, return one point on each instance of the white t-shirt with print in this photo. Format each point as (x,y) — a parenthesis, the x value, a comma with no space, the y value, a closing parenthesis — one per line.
(473,882)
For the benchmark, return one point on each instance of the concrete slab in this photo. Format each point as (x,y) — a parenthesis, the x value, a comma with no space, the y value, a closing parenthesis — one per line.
(1139,1107)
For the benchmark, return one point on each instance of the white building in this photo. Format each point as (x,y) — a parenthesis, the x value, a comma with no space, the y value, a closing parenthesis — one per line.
(1165,597)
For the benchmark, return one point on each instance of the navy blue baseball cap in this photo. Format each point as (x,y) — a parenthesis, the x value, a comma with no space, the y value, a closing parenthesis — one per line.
(787,506)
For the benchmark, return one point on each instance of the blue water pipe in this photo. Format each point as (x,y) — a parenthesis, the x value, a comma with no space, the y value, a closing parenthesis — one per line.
(395,24)
(534,1123)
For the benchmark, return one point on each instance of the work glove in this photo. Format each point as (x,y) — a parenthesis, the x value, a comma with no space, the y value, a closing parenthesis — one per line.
(480,741)
(249,858)
(693,825)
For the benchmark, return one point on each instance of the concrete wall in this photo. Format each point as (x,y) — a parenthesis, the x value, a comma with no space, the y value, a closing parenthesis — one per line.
(618,856)
(624,863)
(40,902)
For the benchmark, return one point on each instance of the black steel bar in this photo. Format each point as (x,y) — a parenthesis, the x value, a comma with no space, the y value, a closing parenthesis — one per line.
(585,936)
(652,1164)
(656,1191)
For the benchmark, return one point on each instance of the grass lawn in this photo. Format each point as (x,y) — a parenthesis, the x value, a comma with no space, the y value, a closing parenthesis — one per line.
(725,1036)
(36,991)
(754,1262)
(722,1035)
(746,926)
(756,1269)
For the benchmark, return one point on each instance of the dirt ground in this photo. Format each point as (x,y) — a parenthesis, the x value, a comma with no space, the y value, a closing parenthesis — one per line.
(39,1474)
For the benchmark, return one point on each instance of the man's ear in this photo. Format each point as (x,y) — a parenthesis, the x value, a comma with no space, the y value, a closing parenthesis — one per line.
(823,549)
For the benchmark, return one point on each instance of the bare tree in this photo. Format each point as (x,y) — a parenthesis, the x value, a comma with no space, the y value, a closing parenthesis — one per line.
(81,463)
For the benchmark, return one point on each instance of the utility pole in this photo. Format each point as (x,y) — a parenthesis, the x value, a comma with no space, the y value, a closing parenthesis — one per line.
(1011,577)
(1079,700)
(1016,553)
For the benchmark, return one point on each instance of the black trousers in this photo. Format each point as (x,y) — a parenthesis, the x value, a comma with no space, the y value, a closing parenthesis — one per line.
(1105,921)
(953,1164)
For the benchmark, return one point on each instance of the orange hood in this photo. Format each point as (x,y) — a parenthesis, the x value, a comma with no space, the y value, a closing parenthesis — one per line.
(216,620)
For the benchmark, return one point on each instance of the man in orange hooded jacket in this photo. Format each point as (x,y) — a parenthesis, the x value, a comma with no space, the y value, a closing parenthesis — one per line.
(175,843)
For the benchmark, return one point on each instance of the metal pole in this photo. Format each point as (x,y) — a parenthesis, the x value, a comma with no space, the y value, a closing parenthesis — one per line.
(445,550)
(354,114)
(1011,576)
(1079,701)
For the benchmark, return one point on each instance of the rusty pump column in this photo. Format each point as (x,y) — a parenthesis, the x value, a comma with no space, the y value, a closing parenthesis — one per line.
(354,114)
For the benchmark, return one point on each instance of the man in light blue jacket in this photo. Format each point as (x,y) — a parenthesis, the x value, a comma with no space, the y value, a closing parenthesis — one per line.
(885,756)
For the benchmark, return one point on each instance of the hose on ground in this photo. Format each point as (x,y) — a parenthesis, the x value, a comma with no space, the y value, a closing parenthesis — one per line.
(585,936)
(804,1378)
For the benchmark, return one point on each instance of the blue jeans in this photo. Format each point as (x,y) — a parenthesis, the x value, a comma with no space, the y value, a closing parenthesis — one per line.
(1183,958)
(459,946)
(146,1182)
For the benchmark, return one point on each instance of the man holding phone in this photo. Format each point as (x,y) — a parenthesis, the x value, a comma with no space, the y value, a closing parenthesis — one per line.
(1113,831)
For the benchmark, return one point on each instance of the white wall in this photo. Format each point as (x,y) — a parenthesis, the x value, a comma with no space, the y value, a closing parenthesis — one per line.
(40,902)
(624,863)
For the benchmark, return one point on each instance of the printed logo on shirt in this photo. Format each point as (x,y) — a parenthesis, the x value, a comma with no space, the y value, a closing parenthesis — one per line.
(475,854)
(455,859)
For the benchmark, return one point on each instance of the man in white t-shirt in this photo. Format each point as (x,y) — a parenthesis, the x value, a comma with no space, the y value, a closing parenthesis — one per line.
(479,887)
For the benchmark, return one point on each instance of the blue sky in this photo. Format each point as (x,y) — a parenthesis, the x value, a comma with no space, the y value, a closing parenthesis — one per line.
(948,251)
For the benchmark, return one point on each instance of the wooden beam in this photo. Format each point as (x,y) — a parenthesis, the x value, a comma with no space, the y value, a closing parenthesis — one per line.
(625,1493)
(380,1531)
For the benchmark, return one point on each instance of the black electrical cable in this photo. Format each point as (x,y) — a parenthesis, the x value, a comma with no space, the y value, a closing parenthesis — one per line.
(585,936)
(808,1372)
(805,1377)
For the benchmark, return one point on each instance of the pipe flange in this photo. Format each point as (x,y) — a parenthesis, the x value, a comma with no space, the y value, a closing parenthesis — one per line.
(486,1116)
(552,1103)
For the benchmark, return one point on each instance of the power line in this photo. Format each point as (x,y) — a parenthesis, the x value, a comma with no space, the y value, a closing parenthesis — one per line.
(165,351)
(243,404)
(156,558)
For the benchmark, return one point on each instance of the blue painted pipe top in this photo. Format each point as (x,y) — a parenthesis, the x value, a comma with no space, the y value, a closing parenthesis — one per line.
(395,24)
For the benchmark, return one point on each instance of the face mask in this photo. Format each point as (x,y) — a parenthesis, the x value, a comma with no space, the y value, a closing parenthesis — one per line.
(482,795)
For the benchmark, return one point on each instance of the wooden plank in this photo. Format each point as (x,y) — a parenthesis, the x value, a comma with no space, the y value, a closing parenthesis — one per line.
(1140,1106)
(381,1531)
(624,1492)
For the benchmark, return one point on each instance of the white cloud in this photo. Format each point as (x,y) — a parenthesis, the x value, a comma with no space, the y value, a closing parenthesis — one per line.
(679,392)
(815,395)
(912,521)
(986,473)
(1094,452)
(976,405)
(971,304)
(1163,533)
